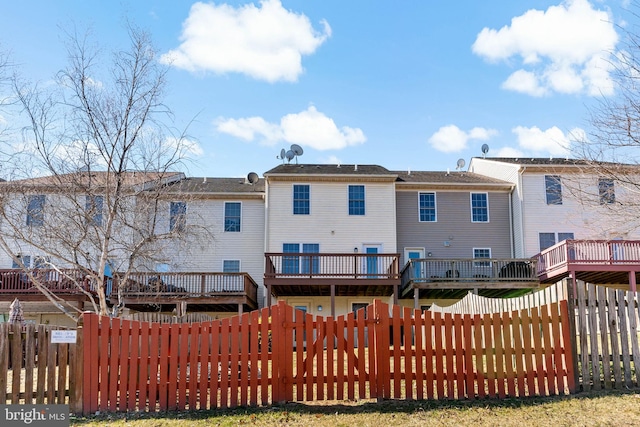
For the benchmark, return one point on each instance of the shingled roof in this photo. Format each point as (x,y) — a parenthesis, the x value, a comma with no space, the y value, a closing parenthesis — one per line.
(326,169)
(206,185)
(442,177)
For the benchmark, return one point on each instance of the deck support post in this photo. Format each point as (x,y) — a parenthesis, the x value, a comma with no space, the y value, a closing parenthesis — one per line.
(269,296)
(333,300)
(632,281)
(240,309)
(416,298)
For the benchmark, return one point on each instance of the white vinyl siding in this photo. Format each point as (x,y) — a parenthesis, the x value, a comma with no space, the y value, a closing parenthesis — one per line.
(329,223)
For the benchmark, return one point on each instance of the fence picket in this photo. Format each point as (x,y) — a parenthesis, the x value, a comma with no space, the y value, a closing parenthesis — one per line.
(593,338)
(624,338)
(331,339)
(429,351)
(603,306)
(508,353)
(499,351)
(418,354)
(479,355)
(548,352)
(408,360)
(633,334)
(42,366)
(489,346)
(234,367)
(253,358)
(440,374)
(397,355)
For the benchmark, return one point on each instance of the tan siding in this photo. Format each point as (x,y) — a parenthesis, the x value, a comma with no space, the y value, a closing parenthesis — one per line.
(454,225)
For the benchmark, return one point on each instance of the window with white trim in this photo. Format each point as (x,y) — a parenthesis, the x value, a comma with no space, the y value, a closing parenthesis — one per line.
(427,207)
(301,199)
(231,266)
(232,216)
(481,253)
(177,216)
(549,239)
(606,191)
(93,207)
(356,200)
(479,207)
(553,188)
(35,210)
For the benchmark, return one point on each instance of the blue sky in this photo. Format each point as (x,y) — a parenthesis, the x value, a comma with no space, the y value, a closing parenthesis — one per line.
(407,85)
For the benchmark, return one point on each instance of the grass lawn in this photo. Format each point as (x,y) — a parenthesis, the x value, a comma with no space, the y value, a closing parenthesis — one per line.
(587,409)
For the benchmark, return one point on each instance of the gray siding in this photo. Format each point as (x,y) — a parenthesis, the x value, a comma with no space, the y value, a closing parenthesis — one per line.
(453,225)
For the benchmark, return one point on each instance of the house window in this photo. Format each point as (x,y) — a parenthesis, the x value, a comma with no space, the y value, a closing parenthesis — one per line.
(295,264)
(35,211)
(290,264)
(355,306)
(93,208)
(606,191)
(479,207)
(41,262)
(481,253)
(310,264)
(427,207)
(549,239)
(177,216)
(24,259)
(356,200)
(301,200)
(553,186)
(232,216)
(231,266)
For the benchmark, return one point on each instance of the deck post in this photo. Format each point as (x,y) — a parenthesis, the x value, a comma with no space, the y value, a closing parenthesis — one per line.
(632,281)
(333,300)
(240,309)
(416,298)
(269,296)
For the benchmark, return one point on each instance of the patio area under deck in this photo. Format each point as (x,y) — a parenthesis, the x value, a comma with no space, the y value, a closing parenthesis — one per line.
(604,262)
(335,274)
(210,291)
(454,278)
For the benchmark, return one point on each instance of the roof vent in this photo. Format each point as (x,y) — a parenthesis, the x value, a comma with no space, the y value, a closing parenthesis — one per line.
(355,167)
(204,180)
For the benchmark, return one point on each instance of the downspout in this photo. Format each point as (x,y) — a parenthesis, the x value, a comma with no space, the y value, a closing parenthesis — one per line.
(512,239)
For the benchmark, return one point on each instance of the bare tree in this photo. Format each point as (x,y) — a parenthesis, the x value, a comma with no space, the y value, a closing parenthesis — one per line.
(609,179)
(102,159)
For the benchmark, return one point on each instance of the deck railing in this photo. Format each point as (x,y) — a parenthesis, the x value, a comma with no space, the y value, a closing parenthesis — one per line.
(430,270)
(331,266)
(595,252)
(64,281)
(154,284)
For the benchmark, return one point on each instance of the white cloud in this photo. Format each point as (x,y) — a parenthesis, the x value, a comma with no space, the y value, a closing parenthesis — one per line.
(451,139)
(266,42)
(552,141)
(563,49)
(508,152)
(309,128)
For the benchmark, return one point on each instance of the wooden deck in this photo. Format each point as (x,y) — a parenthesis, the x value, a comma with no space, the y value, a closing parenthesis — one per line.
(209,291)
(453,278)
(320,274)
(593,261)
(71,284)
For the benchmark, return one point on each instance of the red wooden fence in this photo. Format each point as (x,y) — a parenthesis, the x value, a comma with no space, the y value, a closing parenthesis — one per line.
(379,352)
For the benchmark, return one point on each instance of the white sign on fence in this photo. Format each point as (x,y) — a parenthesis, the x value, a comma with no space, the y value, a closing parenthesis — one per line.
(63,337)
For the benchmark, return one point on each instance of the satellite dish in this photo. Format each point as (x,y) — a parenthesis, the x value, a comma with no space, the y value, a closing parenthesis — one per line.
(290,155)
(460,164)
(252,177)
(485,149)
(297,150)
